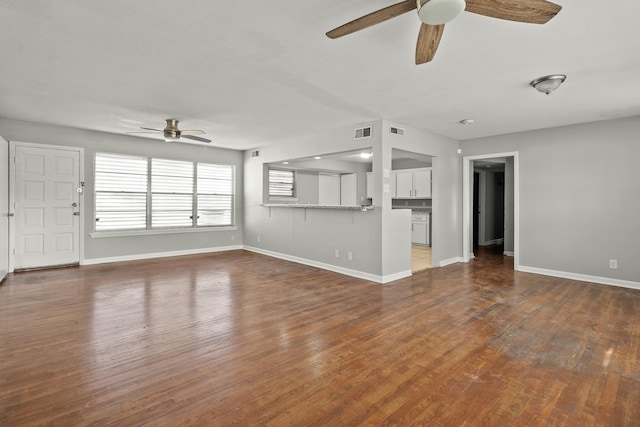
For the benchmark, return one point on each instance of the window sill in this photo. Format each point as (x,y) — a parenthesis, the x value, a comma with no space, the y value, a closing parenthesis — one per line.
(125,233)
(283,199)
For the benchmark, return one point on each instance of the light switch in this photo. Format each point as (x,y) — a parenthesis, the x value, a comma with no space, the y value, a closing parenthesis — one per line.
(386,188)
(386,173)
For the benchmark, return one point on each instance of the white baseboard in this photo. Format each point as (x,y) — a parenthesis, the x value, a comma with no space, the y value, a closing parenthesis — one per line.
(450,261)
(337,269)
(492,242)
(581,277)
(508,253)
(159,255)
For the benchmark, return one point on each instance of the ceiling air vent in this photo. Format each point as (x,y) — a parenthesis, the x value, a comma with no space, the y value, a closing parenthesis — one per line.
(362,133)
(396,131)
(255,153)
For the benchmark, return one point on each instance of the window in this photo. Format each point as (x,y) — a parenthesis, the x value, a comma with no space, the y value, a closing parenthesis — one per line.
(138,193)
(281,183)
(215,195)
(171,193)
(121,192)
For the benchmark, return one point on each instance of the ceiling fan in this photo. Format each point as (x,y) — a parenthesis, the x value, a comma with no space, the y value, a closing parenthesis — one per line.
(172,133)
(435,13)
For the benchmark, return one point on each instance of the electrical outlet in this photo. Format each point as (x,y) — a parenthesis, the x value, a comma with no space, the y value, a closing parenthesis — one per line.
(613,264)
(350,256)
(337,253)
(259,239)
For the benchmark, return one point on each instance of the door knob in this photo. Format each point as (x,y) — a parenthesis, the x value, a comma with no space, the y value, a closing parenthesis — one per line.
(74,204)
(10,214)
(76,213)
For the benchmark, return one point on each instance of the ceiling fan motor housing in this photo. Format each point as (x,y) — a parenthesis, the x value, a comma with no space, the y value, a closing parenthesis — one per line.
(436,12)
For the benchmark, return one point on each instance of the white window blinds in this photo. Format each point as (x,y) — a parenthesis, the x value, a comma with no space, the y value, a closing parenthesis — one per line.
(281,183)
(121,192)
(137,193)
(215,194)
(171,193)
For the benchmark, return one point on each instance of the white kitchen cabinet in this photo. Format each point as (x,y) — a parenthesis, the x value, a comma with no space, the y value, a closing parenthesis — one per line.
(369,185)
(404,184)
(419,233)
(413,184)
(422,184)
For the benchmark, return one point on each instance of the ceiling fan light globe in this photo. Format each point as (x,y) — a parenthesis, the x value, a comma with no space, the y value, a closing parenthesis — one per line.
(436,12)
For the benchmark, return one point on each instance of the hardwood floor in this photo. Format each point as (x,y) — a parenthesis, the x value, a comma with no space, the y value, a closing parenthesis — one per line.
(420,258)
(238,338)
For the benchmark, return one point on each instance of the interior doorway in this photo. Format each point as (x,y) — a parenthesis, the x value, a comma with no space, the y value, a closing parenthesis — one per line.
(412,175)
(480,224)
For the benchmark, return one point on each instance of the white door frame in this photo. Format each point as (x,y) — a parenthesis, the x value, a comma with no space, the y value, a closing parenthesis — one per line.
(12,179)
(467,203)
(4,209)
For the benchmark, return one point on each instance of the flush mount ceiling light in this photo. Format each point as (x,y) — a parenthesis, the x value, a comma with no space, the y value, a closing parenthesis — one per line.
(436,12)
(548,84)
(466,121)
(366,155)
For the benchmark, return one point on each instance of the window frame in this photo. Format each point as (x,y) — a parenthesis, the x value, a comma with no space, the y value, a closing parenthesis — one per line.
(149,229)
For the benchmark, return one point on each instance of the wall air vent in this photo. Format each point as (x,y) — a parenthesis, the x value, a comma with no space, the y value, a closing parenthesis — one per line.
(361,133)
(396,131)
(255,153)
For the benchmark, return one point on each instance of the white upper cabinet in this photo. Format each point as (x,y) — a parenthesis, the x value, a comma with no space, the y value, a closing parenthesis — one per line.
(422,184)
(404,184)
(413,183)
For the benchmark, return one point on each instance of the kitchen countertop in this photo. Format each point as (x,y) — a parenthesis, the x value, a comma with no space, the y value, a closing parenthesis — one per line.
(419,209)
(310,206)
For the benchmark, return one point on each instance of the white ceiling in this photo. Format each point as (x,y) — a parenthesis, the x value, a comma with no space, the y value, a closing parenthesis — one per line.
(255,73)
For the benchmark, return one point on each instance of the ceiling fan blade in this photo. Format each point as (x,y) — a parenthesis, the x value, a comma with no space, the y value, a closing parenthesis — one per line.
(530,11)
(428,41)
(195,138)
(157,130)
(192,132)
(372,19)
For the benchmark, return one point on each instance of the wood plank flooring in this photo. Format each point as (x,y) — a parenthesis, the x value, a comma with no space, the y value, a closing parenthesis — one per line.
(238,338)
(420,258)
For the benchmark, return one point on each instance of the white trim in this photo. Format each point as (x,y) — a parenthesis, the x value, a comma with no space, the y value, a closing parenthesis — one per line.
(137,257)
(12,170)
(581,277)
(396,276)
(467,200)
(124,233)
(507,253)
(492,242)
(330,267)
(450,261)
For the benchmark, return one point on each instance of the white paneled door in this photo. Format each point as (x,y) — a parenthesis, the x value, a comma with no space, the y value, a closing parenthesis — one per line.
(47,198)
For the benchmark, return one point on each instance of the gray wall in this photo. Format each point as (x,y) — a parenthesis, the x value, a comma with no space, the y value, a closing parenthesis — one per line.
(92,142)
(579,196)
